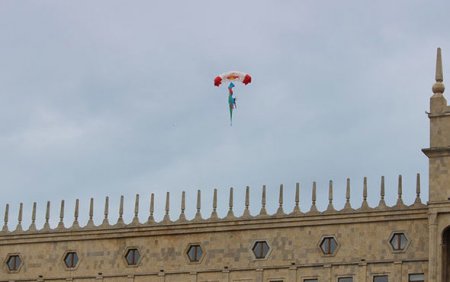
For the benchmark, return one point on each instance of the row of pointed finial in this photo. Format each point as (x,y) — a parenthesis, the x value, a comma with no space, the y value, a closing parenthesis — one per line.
(214,215)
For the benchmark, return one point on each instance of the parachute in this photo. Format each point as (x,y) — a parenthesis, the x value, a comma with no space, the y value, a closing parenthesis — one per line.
(232,76)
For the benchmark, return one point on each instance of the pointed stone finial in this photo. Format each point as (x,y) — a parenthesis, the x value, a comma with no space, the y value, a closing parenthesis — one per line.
(330,207)
(439,74)
(347,206)
(135,220)
(151,219)
(230,204)
(33,218)
(439,87)
(19,219)
(106,212)
(6,218)
(400,192)
(75,214)
(246,213)
(280,210)
(61,216)
(90,222)
(438,103)
(297,200)
(313,208)
(365,205)
(198,215)
(47,217)
(166,218)
(183,207)
(382,203)
(418,200)
(214,211)
(120,219)
(263,201)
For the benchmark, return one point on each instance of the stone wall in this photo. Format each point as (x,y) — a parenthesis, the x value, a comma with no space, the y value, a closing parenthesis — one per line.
(362,235)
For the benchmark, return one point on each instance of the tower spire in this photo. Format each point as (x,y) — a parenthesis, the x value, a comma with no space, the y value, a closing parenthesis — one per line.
(439,75)
(439,87)
(438,103)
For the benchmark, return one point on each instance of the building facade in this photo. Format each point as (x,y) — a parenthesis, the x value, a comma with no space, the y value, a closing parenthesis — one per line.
(398,243)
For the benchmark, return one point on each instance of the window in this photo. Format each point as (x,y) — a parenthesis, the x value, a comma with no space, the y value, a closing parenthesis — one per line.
(310,280)
(398,241)
(132,256)
(14,262)
(380,278)
(418,277)
(71,259)
(345,279)
(328,245)
(260,249)
(194,253)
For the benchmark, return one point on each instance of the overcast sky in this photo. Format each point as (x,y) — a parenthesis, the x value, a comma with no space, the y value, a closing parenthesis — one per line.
(110,98)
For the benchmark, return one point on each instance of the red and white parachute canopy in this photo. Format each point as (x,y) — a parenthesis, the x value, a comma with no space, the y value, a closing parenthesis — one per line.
(233,76)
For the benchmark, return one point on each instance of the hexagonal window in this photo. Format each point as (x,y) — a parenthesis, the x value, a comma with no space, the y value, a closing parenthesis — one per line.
(71,260)
(195,253)
(328,245)
(398,241)
(260,249)
(133,256)
(13,262)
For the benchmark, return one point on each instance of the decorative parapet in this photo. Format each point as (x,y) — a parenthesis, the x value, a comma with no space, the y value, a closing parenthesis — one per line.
(246,215)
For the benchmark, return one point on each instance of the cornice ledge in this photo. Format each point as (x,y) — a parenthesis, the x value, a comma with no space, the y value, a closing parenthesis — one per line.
(443,114)
(342,215)
(434,152)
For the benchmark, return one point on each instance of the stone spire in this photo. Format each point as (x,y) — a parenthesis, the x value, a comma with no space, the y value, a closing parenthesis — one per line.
(313,208)
(135,220)
(438,103)
(5,225)
(230,204)
(263,201)
(19,218)
(297,200)
(151,218)
(246,213)
(198,214)
(61,216)
(183,207)
(214,211)
(33,218)
(400,192)
(382,202)
(439,87)
(364,205)
(418,201)
(90,222)
(330,207)
(166,218)
(120,219)
(280,210)
(106,212)
(348,206)
(75,214)
(47,217)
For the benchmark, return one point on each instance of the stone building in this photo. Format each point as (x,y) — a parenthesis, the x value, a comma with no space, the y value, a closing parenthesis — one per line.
(398,243)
